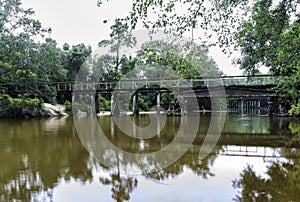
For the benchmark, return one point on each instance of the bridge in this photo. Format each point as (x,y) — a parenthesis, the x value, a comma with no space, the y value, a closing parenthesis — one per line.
(241,91)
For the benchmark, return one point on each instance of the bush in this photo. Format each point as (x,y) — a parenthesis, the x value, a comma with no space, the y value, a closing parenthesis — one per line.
(104,104)
(21,107)
(68,106)
(295,109)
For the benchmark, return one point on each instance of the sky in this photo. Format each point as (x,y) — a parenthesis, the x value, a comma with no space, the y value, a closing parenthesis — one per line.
(81,21)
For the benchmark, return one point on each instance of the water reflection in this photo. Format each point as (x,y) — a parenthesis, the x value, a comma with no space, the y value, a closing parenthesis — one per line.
(121,186)
(281,183)
(39,157)
(35,159)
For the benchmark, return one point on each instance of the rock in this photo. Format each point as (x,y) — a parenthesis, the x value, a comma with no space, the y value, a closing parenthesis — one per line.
(54,110)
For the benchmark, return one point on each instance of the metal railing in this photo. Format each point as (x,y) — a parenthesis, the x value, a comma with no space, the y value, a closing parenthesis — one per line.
(261,80)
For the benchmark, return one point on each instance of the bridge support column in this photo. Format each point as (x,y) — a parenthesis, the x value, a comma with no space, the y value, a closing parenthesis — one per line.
(92,106)
(242,105)
(112,127)
(114,105)
(158,126)
(135,105)
(158,104)
(97,110)
(258,104)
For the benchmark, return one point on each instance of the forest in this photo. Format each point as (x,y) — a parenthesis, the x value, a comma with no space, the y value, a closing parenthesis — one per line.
(269,35)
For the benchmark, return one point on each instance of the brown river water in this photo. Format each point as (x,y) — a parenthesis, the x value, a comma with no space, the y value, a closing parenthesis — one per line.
(255,158)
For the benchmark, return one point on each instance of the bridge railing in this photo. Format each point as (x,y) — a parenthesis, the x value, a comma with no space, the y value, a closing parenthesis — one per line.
(252,81)
(158,83)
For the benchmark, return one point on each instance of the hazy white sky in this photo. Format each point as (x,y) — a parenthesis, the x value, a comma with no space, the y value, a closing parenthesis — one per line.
(81,21)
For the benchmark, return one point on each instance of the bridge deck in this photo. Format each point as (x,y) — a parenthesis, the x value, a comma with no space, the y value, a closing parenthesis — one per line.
(233,85)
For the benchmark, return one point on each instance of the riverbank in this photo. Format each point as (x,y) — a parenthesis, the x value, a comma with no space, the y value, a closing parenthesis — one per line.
(26,107)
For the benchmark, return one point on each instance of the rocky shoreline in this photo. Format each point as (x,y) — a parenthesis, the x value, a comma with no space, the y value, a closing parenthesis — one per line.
(54,110)
(45,110)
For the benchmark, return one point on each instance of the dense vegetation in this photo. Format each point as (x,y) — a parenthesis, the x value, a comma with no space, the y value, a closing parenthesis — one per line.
(23,107)
(31,60)
(265,31)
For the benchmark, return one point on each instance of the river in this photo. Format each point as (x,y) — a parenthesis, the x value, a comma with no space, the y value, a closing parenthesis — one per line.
(254,158)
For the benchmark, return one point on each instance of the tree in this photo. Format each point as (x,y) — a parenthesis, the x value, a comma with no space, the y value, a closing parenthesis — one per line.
(215,20)
(120,37)
(271,38)
(15,20)
(49,59)
(31,66)
(266,31)
(264,38)
(281,183)
(74,58)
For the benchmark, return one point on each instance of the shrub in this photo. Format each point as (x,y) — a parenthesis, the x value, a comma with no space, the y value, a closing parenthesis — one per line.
(68,106)
(295,109)
(20,107)
(104,104)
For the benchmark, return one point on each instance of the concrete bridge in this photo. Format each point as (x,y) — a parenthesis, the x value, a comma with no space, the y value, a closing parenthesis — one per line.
(240,91)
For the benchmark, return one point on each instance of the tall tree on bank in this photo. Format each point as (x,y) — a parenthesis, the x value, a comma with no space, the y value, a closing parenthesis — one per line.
(23,60)
(73,58)
(272,38)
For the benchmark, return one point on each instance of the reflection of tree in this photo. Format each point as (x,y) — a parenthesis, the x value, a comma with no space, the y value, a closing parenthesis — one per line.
(121,186)
(190,160)
(34,158)
(294,127)
(281,184)
(279,125)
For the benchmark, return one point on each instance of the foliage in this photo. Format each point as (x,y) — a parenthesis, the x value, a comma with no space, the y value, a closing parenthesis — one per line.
(119,37)
(295,128)
(68,106)
(30,62)
(104,104)
(181,16)
(73,58)
(121,186)
(165,59)
(31,66)
(266,31)
(28,65)
(281,183)
(20,107)
(269,39)
(16,20)
(272,38)
(157,60)
(295,109)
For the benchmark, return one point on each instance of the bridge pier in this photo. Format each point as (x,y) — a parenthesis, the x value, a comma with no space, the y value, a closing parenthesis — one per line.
(135,104)
(158,104)
(97,110)
(242,105)
(247,104)
(114,105)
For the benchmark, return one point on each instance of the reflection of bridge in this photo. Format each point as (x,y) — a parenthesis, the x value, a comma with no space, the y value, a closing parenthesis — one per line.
(245,92)
(255,151)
